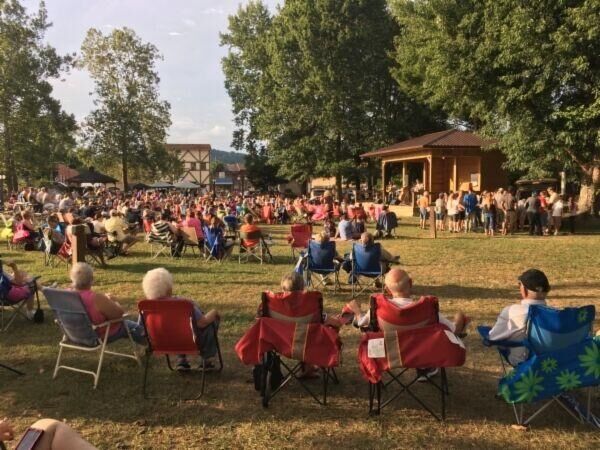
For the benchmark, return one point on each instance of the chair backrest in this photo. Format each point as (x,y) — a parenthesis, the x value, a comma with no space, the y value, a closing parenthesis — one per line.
(231,222)
(386,316)
(147,226)
(301,234)
(297,306)
(550,329)
(251,236)
(170,327)
(366,259)
(189,235)
(71,316)
(321,255)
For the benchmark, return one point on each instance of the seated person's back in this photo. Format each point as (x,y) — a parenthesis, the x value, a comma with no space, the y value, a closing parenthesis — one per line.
(249,227)
(511,324)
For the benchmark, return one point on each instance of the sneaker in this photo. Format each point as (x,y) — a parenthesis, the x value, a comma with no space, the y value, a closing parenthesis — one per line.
(30,313)
(209,366)
(427,374)
(183,366)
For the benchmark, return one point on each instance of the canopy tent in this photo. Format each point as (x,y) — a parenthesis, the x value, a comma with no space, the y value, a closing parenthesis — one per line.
(138,186)
(91,176)
(224,181)
(186,185)
(161,185)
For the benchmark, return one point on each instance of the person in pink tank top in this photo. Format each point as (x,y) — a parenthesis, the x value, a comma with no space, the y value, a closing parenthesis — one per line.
(103,307)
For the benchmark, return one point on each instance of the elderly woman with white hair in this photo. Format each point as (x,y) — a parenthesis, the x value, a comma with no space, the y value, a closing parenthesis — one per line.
(103,307)
(158,285)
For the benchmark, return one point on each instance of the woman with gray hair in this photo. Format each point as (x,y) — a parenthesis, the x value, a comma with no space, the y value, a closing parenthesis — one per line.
(103,307)
(158,285)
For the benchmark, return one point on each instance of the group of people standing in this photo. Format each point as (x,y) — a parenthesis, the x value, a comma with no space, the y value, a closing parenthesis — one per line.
(498,212)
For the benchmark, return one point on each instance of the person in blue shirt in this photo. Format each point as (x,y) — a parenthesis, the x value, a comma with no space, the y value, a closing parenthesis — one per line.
(345,229)
(470,204)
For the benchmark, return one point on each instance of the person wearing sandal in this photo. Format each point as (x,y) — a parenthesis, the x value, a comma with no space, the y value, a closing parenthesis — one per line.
(399,284)
(158,285)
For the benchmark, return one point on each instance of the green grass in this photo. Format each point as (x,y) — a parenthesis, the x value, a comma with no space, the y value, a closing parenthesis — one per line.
(469,273)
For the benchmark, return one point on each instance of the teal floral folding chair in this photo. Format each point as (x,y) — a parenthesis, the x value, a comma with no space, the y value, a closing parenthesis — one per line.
(563,358)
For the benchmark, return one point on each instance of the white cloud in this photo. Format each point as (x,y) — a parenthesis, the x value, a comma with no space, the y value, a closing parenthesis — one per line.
(212,11)
(175,33)
(189,22)
(108,25)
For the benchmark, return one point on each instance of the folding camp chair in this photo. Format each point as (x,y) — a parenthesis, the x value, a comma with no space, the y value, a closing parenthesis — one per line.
(231,226)
(13,310)
(171,330)
(301,308)
(320,260)
(79,333)
(555,337)
(259,250)
(190,239)
(366,263)
(412,335)
(214,244)
(160,247)
(300,234)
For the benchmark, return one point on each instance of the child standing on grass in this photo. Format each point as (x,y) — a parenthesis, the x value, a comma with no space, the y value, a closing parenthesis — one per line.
(440,211)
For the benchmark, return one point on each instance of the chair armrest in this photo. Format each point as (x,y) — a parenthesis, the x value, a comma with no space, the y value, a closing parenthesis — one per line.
(111,322)
(484,332)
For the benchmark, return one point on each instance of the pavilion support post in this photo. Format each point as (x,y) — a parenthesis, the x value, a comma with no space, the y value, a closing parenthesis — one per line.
(383,181)
(454,175)
(432,227)
(404,175)
(78,244)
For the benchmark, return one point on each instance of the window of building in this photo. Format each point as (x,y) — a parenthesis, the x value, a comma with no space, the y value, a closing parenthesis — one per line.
(203,166)
(192,166)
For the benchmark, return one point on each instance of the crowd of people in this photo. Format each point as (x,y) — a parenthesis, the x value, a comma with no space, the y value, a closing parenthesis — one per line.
(541,213)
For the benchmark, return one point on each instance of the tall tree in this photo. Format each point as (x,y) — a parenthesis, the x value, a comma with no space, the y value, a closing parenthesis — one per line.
(314,83)
(130,122)
(34,129)
(527,73)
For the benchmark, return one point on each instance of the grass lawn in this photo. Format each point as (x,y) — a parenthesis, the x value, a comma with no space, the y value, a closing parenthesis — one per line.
(469,273)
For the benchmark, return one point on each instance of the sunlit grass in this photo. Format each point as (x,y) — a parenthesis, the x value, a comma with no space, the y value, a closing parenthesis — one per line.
(469,273)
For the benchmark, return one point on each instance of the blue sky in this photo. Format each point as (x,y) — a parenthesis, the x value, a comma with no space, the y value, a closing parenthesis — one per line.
(186,32)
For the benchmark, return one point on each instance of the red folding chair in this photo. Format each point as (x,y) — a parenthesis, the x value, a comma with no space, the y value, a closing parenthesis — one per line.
(300,235)
(304,310)
(171,330)
(413,339)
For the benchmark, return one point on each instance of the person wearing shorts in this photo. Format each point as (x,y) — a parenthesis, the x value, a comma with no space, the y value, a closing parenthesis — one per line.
(440,212)
(423,207)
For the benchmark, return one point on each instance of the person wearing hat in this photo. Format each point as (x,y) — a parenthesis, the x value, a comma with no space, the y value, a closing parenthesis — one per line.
(511,324)
(533,206)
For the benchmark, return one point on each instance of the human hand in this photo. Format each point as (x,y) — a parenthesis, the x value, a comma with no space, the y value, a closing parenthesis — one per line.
(355,307)
(6,431)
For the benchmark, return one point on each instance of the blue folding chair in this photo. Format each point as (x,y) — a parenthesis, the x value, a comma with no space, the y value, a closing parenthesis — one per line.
(79,333)
(320,260)
(563,357)
(214,244)
(231,226)
(366,263)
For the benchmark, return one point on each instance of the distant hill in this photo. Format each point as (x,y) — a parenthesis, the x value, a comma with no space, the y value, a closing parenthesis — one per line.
(227,157)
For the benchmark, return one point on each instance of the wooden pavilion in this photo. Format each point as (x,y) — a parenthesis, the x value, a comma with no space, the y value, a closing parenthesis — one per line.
(441,162)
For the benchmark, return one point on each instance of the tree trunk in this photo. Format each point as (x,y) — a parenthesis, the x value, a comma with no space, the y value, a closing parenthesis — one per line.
(124,168)
(338,187)
(587,193)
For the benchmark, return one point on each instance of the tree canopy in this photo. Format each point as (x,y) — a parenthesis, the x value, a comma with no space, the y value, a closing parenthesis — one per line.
(129,126)
(34,129)
(527,73)
(313,84)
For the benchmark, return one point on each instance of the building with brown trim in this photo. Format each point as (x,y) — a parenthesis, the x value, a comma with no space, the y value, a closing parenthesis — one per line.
(196,162)
(442,162)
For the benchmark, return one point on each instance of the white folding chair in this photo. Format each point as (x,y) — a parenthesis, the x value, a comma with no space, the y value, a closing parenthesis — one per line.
(79,333)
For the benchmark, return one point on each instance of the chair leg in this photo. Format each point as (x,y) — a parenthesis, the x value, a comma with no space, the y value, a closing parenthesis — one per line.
(203,377)
(60,350)
(325,384)
(146,368)
(444,392)
(218,349)
(100,361)
(18,372)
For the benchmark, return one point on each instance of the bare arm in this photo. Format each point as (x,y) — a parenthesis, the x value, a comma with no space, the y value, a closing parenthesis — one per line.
(208,318)
(108,307)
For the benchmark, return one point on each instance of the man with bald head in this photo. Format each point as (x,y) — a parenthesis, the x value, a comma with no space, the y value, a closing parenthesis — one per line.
(399,284)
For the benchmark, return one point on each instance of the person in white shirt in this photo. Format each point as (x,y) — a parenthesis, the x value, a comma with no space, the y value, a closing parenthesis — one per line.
(511,324)
(557,213)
